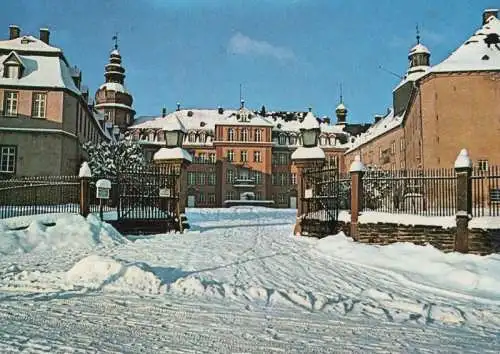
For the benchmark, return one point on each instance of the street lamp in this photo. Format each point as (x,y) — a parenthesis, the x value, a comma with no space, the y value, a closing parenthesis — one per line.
(174,133)
(310,130)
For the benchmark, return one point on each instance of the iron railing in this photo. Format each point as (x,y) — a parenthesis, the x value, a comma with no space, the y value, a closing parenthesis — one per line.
(431,192)
(486,191)
(23,196)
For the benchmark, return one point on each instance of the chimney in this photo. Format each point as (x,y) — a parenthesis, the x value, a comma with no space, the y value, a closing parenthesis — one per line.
(163,112)
(45,35)
(378,118)
(14,32)
(178,106)
(488,13)
(220,110)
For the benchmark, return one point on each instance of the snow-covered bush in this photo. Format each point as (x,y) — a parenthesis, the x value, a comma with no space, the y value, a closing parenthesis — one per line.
(107,158)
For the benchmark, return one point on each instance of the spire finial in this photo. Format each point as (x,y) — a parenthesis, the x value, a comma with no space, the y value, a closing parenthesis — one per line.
(418,34)
(341,96)
(115,38)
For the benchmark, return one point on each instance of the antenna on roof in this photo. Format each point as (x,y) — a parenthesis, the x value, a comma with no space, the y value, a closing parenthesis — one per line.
(418,34)
(390,72)
(115,38)
(241,96)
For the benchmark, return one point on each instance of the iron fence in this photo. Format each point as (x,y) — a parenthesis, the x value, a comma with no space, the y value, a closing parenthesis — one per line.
(485,184)
(431,192)
(23,196)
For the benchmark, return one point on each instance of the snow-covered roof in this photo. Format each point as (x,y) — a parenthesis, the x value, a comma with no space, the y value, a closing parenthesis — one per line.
(41,71)
(341,107)
(475,54)
(386,124)
(115,52)
(114,86)
(28,43)
(414,74)
(419,48)
(113,105)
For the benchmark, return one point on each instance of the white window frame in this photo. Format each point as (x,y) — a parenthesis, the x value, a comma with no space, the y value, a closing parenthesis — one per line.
(244,156)
(230,134)
(229,176)
(244,134)
(8,157)
(294,178)
(258,135)
(230,155)
(257,156)
(39,105)
(11,103)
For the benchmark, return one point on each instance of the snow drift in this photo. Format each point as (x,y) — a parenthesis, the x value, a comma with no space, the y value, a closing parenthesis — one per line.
(54,232)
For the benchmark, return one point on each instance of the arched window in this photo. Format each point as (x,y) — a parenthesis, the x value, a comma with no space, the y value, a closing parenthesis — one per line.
(258,135)
(230,134)
(192,137)
(244,134)
(202,138)
(324,140)
(282,139)
(293,140)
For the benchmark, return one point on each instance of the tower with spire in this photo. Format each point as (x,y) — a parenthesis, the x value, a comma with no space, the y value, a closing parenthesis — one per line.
(341,110)
(112,98)
(419,56)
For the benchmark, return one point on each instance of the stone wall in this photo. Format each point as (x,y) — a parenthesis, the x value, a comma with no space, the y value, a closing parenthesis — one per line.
(481,242)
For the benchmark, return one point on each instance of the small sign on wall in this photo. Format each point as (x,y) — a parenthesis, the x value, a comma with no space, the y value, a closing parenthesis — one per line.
(165,193)
(308,193)
(103,187)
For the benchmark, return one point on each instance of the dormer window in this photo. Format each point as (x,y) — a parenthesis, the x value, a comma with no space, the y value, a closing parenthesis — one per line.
(192,138)
(13,66)
(282,139)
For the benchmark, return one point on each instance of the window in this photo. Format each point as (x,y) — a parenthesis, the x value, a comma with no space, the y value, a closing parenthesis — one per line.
(202,138)
(211,179)
(229,176)
(282,159)
(213,158)
(202,157)
(244,135)
(8,159)
(274,179)
(482,165)
(10,103)
(230,155)
(229,195)
(401,145)
(293,140)
(202,178)
(258,177)
(281,198)
(294,178)
(393,147)
(275,159)
(324,140)
(244,156)
(12,71)
(258,135)
(230,134)
(211,198)
(258,195)
(192,138)
(191,178)
(256,156)
(284,179)
(201,198)
(282,139)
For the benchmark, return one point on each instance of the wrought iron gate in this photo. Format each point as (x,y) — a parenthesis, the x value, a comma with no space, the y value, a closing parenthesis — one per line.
(321,201)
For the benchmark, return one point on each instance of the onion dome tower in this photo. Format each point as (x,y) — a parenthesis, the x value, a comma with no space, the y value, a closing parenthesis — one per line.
(112,98)
(341,110)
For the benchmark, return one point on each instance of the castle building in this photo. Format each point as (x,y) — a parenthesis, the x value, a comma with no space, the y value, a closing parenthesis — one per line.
(241,152)
(438,110)
(112,98)
(45,115)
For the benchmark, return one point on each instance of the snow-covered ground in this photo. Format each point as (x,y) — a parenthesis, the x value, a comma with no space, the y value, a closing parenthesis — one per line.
(237,282)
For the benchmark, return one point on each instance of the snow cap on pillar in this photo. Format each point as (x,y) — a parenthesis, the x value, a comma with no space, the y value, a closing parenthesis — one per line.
(357,165)
(85,171)
(165,154)
(310,121)
(463,160)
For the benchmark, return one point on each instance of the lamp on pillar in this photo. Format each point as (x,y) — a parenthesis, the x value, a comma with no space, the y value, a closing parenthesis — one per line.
(307,156)
(175,160)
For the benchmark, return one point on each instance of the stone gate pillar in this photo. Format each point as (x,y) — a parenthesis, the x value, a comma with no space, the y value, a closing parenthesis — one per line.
(175,161)
(356,171)
(463,168)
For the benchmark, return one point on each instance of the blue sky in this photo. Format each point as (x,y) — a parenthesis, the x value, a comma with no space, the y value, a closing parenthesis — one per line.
(287,54)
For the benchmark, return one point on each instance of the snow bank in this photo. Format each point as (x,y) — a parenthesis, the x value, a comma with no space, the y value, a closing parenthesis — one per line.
(53,232)
(452,272)
(106,273)
(373,217)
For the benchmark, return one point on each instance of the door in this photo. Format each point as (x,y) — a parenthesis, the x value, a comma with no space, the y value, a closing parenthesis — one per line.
(191,200)
(293,202)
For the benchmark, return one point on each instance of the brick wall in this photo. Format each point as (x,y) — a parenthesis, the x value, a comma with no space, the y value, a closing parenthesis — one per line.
(481,242)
